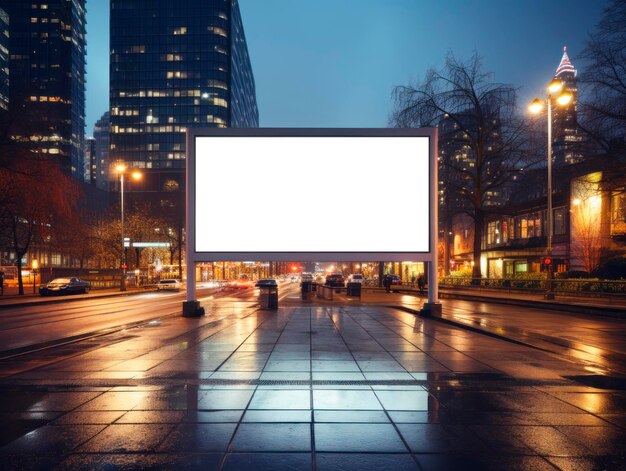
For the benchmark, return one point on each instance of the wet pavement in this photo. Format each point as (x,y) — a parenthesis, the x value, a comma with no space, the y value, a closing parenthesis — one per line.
(326,387)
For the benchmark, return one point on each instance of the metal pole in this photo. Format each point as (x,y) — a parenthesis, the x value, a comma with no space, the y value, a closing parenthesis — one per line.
(550,286)
(122,279)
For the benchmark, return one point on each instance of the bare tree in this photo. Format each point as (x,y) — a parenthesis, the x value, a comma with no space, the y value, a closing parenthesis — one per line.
(603,81)
(481,137)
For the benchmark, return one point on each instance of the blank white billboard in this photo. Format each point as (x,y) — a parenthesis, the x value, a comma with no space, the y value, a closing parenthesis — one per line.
(310,194)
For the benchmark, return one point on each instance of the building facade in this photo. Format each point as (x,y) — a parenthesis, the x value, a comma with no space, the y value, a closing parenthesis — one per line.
(566,137)
(101,136)
(175,64)
(4,61)
(47,53)
(589,225)
(90,160)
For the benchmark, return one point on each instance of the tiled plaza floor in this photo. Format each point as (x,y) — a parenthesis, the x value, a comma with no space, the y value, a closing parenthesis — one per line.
(319,387)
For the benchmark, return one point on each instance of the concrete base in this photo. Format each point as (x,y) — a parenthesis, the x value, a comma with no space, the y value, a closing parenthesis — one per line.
(192,309)
(431,309)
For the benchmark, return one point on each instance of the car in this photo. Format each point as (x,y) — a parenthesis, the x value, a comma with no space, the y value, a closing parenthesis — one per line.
(168,285)
(335,279)
(356,278)
(244,281)
(266,283)
(307,277)
(71,285)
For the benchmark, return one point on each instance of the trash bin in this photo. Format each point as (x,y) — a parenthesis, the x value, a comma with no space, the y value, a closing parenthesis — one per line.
(306,288)
(354,289)
(268,297)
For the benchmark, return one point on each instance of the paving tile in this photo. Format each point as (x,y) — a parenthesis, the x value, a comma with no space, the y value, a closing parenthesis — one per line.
(345,399)
(198,438)
(272,437)
(276,415)
(362,437)
(106,462)
(363,461)
(355,416)
(404,400)
(87,418)
(125,438)
(268,461)
(280,399)
(225,399)
(52,439)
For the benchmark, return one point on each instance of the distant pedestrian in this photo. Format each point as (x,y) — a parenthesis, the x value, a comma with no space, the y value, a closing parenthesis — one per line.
(412,281)
(421,282)
(1,283)
(387,283)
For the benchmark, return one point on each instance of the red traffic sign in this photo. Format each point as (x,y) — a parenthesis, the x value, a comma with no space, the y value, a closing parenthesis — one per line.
(548,261)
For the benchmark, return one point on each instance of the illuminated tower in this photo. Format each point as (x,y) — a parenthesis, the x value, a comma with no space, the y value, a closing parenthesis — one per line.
(566,137)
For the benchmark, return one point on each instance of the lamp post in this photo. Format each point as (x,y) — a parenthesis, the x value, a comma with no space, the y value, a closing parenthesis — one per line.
(563,98)
(136,175)
(35,265)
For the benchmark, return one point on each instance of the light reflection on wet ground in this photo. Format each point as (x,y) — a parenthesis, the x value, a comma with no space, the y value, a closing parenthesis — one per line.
(306,388)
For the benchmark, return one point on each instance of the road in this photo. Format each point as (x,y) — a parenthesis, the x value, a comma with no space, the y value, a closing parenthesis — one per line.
(43,324)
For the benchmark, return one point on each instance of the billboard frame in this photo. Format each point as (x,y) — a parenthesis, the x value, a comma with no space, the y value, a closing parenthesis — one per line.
(193,257)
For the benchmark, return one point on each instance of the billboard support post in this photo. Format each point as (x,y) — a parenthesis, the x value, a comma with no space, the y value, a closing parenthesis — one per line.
(191,307)
(433,306)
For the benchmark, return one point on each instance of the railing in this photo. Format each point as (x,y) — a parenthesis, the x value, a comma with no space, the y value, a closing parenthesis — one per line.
(563,286)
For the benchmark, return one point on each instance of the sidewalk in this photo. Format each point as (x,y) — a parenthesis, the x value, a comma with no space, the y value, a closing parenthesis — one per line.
(594,341)
(310,387)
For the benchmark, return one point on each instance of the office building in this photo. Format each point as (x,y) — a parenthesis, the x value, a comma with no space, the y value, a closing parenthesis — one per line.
(175,64)
(47,102)
(101,136)
(4,61)
(90,160)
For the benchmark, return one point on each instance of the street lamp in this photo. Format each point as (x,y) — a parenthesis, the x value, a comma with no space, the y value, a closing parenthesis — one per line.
(563,99)
(135,175)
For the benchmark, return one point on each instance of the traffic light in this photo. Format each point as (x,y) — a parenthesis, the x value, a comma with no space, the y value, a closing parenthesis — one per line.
(547,261)
(124,266)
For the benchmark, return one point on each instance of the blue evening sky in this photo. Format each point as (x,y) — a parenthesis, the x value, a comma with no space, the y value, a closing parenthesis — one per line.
(334,63)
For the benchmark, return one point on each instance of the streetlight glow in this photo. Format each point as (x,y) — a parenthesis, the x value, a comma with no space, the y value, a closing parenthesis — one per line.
(536,106)
(555,86)
(564,99)
(120,168)
(136,175)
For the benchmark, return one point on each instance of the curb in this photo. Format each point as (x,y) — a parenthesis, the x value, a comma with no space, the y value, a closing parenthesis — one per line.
(593,310)
(62,299)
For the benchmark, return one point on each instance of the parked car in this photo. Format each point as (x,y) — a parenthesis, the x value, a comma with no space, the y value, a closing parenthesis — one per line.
(169,285)
(266,283)
(335,279)
(306,277)
(65,286)
(356,278)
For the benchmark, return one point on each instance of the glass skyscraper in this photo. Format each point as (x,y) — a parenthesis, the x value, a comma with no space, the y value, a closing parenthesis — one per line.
(47,70)
(175,64)
(4,61)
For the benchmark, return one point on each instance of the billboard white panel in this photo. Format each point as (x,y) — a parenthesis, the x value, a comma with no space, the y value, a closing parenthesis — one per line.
(293,194)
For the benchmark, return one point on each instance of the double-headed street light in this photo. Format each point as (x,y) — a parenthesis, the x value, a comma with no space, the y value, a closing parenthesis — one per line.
(135,175)
(562,98)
